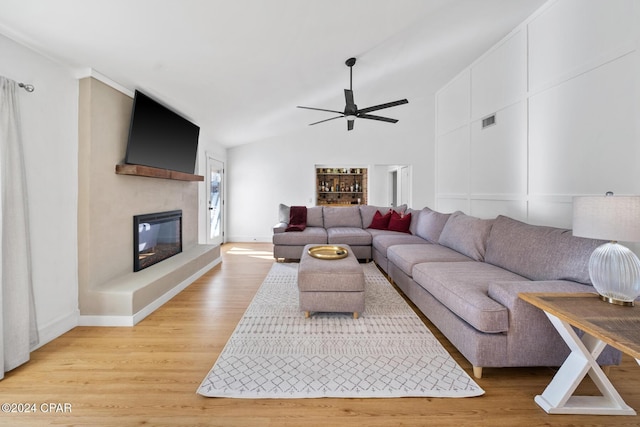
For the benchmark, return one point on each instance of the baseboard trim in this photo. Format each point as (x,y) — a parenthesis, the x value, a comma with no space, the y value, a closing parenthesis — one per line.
(91,320)
(117,321)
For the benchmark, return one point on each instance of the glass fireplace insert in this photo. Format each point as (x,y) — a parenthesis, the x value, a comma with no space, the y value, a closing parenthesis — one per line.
(156,237)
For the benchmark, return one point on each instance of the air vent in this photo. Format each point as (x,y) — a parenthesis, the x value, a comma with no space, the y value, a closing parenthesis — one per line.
(489,121)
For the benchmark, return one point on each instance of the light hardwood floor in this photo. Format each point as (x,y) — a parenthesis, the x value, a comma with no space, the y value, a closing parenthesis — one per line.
(148,374)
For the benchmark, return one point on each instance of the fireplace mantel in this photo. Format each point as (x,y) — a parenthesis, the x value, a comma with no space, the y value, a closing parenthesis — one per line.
(151,172)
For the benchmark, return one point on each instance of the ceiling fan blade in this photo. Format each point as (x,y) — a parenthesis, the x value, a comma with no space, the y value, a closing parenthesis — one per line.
(326,120)
(348,96)
(380,118)
(382,106)
(320,109)
(349,124)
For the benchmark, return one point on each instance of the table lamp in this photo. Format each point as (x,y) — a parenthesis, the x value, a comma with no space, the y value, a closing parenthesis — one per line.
(614,269)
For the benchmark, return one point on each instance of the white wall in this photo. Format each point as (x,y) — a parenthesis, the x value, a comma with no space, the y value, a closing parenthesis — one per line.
(565,88)
(282,169)
(50,130)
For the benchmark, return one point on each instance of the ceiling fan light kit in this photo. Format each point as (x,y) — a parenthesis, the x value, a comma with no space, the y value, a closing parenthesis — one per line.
(351,111)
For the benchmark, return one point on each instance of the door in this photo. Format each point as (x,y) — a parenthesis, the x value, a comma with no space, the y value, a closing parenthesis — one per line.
(215,202)
(405,179)
(393,188)
(399,185)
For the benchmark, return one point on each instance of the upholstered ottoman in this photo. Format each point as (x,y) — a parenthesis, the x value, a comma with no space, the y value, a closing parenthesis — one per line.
(330,285)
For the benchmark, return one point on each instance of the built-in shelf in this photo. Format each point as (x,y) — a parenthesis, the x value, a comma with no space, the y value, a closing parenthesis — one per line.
(341,186)
(150,172)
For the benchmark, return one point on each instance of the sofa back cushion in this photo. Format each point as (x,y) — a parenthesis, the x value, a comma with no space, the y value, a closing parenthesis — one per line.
(429,224)
(348,216)
(466,234)
(539,252)
(314,216)
(413,226)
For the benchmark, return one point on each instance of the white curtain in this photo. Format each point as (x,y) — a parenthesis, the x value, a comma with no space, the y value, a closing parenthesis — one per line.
(17,309)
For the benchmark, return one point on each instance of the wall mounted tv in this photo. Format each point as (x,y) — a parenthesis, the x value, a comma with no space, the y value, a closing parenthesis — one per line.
(160,138)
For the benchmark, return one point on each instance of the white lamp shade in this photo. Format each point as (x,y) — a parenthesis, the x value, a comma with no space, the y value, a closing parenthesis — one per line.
(615,218)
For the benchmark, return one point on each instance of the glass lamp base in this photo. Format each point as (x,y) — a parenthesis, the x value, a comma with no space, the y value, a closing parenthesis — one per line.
(615,273)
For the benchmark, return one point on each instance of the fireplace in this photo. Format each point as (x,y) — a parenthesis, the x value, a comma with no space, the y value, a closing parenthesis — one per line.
(156,237)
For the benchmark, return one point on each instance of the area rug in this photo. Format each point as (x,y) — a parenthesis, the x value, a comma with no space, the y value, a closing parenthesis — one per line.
(387,352)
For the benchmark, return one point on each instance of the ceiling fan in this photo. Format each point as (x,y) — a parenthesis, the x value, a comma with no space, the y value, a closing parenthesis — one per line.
(351,111)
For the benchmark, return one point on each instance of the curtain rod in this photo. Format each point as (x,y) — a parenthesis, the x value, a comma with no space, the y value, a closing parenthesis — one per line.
(27,87)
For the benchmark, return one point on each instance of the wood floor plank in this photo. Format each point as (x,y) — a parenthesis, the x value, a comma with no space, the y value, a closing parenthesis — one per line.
(148,374)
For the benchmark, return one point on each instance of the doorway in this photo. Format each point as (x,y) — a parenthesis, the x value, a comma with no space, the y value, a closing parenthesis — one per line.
(399,185)
(215,201)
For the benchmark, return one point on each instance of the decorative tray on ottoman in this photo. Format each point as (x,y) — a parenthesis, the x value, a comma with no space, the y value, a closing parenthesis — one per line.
(328,252)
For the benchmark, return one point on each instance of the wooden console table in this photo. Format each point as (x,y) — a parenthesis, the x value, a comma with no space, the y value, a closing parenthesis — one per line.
(603,324)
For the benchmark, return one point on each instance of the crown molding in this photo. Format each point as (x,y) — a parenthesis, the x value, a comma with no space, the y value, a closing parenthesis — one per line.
(90,72)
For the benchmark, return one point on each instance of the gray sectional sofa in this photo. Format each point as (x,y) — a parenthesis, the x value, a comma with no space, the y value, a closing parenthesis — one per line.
(464,274)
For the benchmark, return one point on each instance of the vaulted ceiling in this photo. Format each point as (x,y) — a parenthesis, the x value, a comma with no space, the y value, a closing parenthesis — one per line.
(238,68)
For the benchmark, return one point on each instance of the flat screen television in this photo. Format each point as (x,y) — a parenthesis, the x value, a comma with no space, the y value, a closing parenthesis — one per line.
(160,138)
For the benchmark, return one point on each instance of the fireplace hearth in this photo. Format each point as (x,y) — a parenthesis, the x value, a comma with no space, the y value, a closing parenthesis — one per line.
(156,237)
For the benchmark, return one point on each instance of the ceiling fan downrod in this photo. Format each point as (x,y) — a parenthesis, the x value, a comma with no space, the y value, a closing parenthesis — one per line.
(350,63)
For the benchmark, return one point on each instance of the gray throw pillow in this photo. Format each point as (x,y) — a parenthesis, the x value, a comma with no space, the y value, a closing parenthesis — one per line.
(283,213)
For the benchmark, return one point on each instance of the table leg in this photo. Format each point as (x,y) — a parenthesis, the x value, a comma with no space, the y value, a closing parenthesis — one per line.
(558,397)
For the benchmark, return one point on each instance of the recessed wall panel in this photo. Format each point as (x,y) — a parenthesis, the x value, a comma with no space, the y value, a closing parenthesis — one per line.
(500,78)
(499,153)
(574,34)
(453,162)
(583,134)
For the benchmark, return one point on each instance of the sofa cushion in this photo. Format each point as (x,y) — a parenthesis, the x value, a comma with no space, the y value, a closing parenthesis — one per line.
(539,252)
(309,235)
(463,288)
(466,234)
(405,257)
(384,239)
(413,227)
(349,236)
(430,224)
(400,222)
(315,217)
(380,221)
(348,216)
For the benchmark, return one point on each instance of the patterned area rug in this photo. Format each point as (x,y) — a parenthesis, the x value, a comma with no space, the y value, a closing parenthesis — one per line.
(388,352)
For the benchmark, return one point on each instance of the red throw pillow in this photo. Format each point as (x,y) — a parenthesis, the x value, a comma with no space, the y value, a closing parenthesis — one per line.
(380,222)
(400,222)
